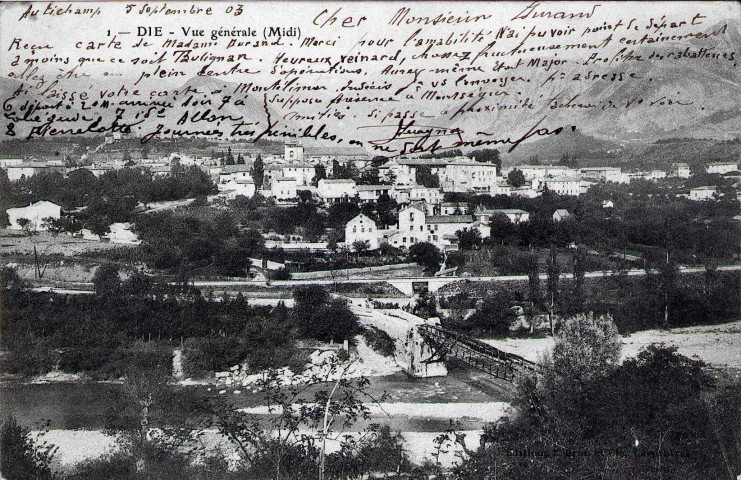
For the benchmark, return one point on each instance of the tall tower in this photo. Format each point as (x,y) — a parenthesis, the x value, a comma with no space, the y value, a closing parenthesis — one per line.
(294,153)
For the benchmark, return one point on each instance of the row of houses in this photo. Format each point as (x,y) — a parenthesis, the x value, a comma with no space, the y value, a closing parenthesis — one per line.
(38,216)
(416,224)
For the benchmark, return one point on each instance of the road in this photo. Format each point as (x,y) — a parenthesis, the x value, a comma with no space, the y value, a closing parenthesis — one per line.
(448,279)
(85,287)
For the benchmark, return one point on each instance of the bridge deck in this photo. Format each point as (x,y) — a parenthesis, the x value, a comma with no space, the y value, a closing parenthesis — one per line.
(451,344)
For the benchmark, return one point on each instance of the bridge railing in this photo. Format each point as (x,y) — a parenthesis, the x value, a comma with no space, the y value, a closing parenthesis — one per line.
(479,352)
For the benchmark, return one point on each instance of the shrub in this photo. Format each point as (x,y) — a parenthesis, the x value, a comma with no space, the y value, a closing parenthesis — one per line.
(209,354)
(20,457)
(426,255)
(281,274)
(106,279)
(379,341)
(331,321)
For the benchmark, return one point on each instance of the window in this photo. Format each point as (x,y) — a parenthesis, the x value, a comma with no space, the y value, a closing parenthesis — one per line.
(354,229)
(411,216)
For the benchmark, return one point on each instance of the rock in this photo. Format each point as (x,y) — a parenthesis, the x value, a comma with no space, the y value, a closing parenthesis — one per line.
(222,392)
(234,368)
(222,374)
(237,392)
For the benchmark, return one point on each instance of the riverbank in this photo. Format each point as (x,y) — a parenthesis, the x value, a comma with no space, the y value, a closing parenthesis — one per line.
(717,345)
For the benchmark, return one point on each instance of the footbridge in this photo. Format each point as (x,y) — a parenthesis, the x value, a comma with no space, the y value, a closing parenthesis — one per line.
(423,346)
(453,345)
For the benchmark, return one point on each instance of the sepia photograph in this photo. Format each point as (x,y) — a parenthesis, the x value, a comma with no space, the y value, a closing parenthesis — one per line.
(301,240)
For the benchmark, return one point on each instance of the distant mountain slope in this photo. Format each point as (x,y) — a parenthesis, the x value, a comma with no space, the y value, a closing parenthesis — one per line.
(708,88)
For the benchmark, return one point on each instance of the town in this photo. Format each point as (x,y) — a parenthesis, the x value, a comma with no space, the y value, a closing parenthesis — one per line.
(240,273)
(419,189)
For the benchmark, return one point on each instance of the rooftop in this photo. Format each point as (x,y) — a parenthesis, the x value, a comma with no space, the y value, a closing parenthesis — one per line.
(337,180)
(367,188)
(449,219)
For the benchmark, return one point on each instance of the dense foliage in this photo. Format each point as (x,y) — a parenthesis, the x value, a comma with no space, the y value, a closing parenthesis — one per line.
(185,243)
(646,218)
(321,317)
(95,333)
(659,415)
(112,197)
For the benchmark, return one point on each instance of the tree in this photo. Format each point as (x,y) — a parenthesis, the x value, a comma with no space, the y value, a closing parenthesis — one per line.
(668,286)
(579,270)
(53,225)
(468,239)
(307,300)
(27,226)
(516,178)
(586,347)
(502,229)
(106,279)
(145,395)
(240,159)
(20,456)
(98,225)
(533,284)
(424,176)
(331,321)
(138,284)
(361,246)
(427,255)
(229,157)
(488,155)
(258,172)
(232,260)
(494,316)
(554,274)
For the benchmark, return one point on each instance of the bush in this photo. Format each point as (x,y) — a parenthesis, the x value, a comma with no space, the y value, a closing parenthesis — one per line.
(106,279)
(20,457)
(331,321)
(379,341)
(493,317)
(281,274)
(426,255)
(586,347)
(28,356)
(212,354)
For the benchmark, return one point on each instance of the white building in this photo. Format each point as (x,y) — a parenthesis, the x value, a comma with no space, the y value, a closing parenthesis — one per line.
(721,167)
(561,214)
(679,170)
(8,162)
(335,190)
(234,188)
(416,226)
(431,196)
(293,153)
(25,170)
(283,188)
(454,208)
(371,193)
(303,173)
(703,193)
(122,233)
(604,174)
(515,215)
(234,172)
(542,172)
(562,185)
(36,213)
(441,229)
(362,229)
